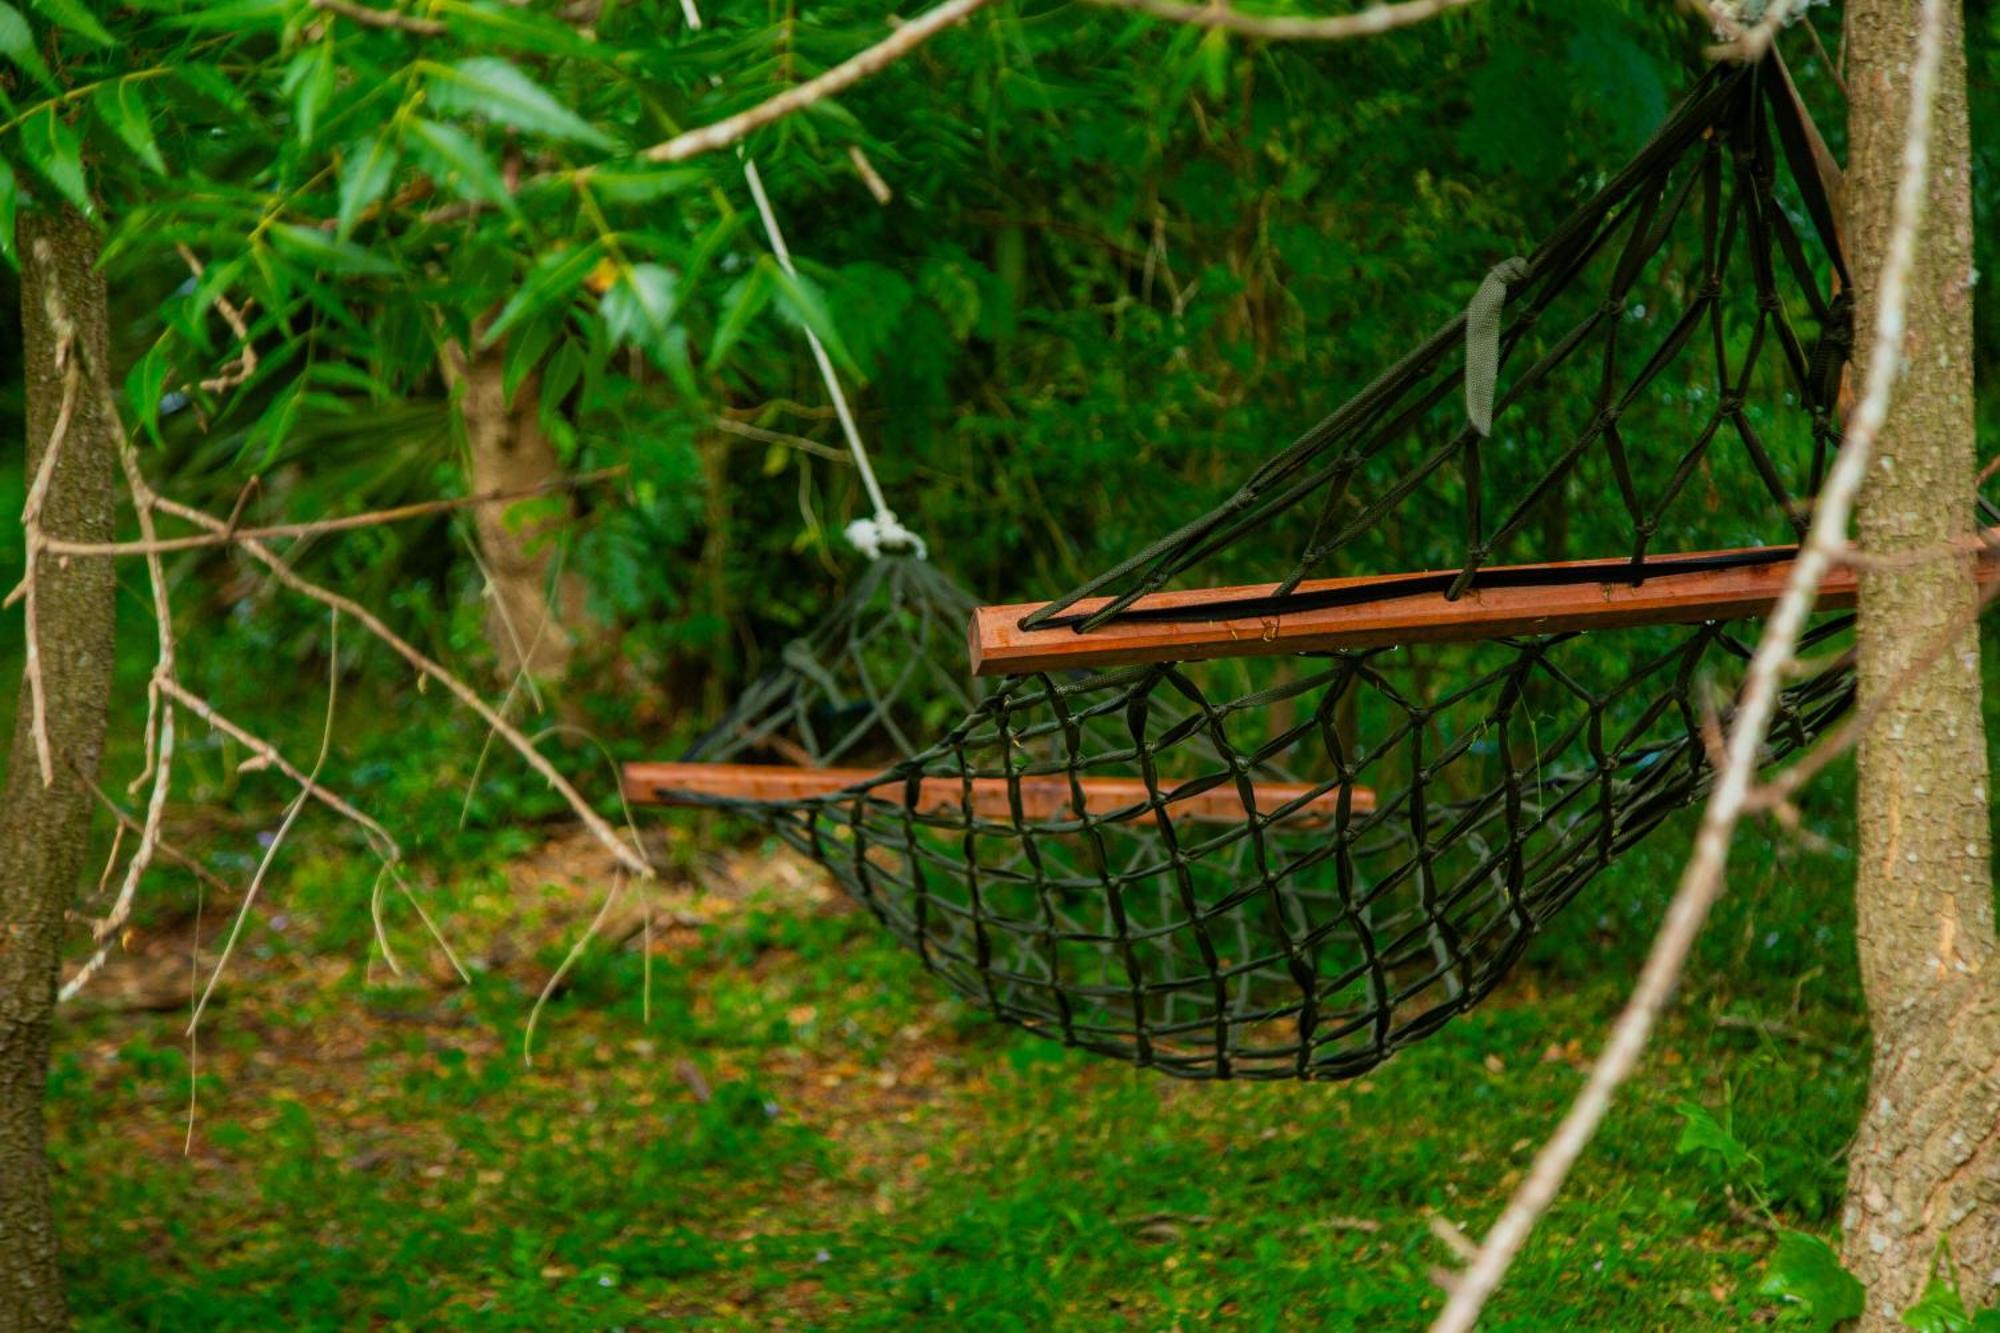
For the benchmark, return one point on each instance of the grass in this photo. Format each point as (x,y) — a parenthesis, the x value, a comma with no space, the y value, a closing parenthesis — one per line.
(809,1133)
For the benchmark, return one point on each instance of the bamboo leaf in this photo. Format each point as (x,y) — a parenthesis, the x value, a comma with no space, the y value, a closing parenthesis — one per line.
(455,157)
(801,300)
(122,107)
(552,279)
(76,18)
(318,249)
(490,87)
(365,173)
(17,43)
(144,384)
(51,149)
(740,305)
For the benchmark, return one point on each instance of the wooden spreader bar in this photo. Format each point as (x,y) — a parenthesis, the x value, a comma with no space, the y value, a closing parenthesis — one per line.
(1042,798)
(1000,647)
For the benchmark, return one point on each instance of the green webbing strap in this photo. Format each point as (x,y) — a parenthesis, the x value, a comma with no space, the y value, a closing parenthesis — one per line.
(1482,340)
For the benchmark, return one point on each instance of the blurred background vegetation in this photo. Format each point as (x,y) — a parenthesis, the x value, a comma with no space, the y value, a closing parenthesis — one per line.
(1121,262)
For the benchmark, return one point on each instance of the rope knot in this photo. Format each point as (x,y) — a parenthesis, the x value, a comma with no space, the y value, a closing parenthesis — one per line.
(884,532)
(1482,340)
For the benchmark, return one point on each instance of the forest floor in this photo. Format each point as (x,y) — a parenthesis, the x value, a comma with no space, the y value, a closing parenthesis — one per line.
(762,1113)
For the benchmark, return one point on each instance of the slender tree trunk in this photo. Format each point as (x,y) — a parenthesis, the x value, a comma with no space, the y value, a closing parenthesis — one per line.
(1925,1166)
(44,829)
(533,607)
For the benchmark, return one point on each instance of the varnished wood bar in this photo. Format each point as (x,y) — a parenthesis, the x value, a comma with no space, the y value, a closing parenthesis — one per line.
(1000,647)
(1042,798)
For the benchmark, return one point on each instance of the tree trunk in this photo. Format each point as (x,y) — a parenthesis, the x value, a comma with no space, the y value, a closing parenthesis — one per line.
(532,608)
(44,830)
(1925,1166)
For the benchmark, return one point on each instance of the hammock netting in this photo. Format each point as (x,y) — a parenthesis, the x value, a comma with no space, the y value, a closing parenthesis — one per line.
(1288,866)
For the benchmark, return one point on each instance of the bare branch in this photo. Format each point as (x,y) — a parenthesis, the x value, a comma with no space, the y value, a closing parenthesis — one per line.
(31,528)
(284,828)
(631,858)
(1273,27)
(841,77)
(870,177)
(385,845)
(381,18)
(1701,882)
(167,849)
(763,436)
(229,535)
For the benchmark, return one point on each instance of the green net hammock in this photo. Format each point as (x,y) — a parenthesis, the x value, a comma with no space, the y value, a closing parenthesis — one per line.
(1285,854)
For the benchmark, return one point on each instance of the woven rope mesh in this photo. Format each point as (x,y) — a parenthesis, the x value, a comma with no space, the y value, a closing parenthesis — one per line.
(1289,866)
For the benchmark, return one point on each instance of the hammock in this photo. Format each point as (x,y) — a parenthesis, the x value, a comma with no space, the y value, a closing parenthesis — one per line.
(1236,829)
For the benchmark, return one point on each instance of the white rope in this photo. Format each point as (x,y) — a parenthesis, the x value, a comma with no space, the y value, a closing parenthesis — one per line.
(883,531)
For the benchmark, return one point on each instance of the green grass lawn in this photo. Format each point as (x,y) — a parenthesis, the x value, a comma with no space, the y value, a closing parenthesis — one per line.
(809,1133)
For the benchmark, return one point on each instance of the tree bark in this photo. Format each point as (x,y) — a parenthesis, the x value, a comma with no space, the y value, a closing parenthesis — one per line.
(1925,1166)
(44,830)
(532,607)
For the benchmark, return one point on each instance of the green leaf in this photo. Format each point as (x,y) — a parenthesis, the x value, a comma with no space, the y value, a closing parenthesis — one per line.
(639,309)
(310,81)
(802,301)
(1806,1270)
(122,107)
(17,43)
(318,249)
(77,18)
(365,173)
(638,185)
(490,87)
(504,25)
(10,192)
(1702,1135)
(144,384)
(451,155)
(552,279)
(1986,1321)
(740,305)
(240,14)
(525,351)
(207,83)
(51,149)
(1939,1310)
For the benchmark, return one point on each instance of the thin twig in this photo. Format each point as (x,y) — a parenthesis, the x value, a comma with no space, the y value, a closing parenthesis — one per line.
(569,961)
(382,18)
(278,838)
(847,73)
(763,436)
(1701,882)
(631,858)
(159,742)
(167,849)
(870,177)
(225,534)
(71,367)
(1272,27)
(1777,793)
(245,365)
(385,844)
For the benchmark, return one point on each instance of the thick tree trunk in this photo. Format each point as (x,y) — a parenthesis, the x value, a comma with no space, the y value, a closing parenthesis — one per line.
(1925,1167)
(533,607)
(44,829)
